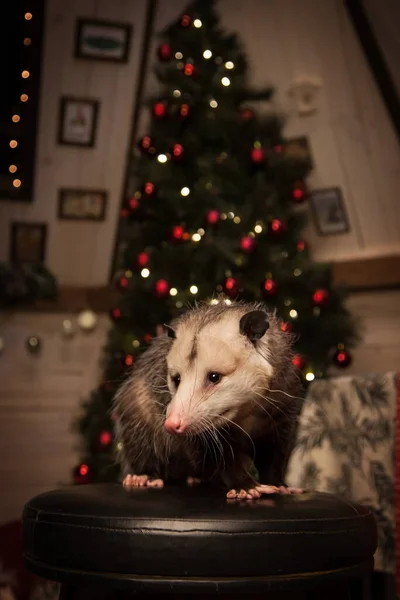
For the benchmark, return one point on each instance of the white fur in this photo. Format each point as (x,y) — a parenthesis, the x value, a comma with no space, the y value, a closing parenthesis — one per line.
(222,349)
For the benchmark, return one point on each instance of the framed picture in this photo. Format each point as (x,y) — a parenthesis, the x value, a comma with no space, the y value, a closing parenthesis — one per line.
(299,149)
(329,212)
(82,204)
(102,40)
(77,121)
(28,242)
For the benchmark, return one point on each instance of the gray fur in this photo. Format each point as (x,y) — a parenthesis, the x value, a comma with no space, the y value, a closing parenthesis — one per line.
(141,402)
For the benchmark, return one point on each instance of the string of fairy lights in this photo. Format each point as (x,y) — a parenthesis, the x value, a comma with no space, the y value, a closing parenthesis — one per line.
(16,116)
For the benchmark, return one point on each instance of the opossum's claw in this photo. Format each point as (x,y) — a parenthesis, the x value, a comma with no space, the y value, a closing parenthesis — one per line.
(141,481)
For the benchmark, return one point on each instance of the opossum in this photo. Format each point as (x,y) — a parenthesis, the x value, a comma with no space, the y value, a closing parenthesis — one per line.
(214,395)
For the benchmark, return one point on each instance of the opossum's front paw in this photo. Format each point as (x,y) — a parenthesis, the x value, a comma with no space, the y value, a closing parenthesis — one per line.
(252,493)
(142,481)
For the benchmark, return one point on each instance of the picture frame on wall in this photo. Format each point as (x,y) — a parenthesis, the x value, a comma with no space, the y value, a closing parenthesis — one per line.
(28,242)
(98,39)
(82,204)
(78,121)
(328,210)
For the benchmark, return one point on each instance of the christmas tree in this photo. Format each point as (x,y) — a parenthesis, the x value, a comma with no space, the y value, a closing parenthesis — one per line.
(215,213)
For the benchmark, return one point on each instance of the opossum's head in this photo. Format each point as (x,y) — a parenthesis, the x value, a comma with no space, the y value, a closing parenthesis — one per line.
(219,366)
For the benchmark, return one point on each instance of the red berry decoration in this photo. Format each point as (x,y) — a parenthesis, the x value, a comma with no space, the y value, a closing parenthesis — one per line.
(299,361)
(145,143)
(147,338)
(124,213)
(286,327)
(246,114)
(278,149)
(162,288)
(342,358)
(133,203)
(299,192)
(149,189)
(276,228)
(123,283)
(320,297)
(164,52)
(270,287)
(185,21)
(115,314)
(188,69)
(231,287)
(143,259)
(127,360)
(177,152)
(257,154)
(213,217)
(160,109)
(247,243)
(184,111)
(81,474)
(178,232)
(105,438)
(301,246)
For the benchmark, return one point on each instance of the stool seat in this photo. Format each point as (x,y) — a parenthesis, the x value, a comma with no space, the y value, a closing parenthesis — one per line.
(147,538)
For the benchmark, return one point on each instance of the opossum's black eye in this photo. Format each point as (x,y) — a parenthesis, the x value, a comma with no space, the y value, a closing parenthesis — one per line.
(176,380)
(214,377)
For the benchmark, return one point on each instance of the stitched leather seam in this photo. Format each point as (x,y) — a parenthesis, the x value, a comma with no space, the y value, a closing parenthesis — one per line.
(202,531)
(330,519)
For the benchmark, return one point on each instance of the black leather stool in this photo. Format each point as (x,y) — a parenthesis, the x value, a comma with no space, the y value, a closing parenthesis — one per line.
(104,541)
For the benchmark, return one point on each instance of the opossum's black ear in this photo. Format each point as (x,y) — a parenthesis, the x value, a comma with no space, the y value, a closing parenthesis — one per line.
(254,324)
(170,332)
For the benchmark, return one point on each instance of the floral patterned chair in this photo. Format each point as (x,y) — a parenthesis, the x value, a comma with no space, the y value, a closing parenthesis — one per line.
(346,444)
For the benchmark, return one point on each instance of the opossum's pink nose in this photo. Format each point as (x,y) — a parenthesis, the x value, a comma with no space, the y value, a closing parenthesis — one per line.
(175,425)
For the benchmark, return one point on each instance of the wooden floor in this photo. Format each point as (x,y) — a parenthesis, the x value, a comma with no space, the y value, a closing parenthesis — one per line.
(40,395)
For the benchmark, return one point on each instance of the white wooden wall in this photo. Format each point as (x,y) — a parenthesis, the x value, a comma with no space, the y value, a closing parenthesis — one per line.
(353,143)
(40,395)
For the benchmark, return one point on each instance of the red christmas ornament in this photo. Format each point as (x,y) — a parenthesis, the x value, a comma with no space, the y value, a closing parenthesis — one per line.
(299,361)
(257,155)
(127,360)
(147,338)
(177,232)
(213,217)
(105,438)
(185,20)
(342,358)
(270,287)
(184,111)
(247,243)
(164,52)
(276,228)
(149,189)
(123,283)
(246,114)
(162,288)
(278,148)
(286,327)
(115,314)
(160,109)
(81,474)
(143,259)
(188,69)
(145,143)
(299,193)
(124,213)
(177,151)
(301,246)
(320,297)
(231,286)
(133,203)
